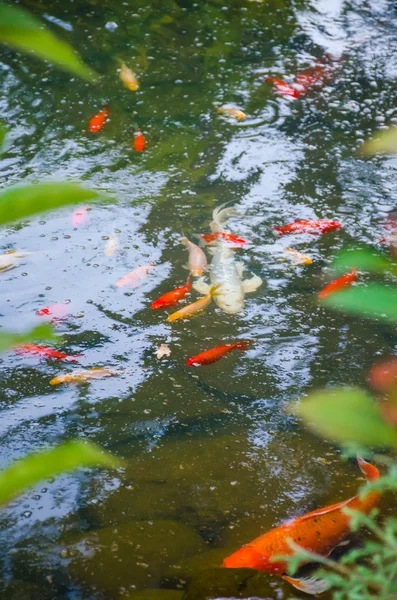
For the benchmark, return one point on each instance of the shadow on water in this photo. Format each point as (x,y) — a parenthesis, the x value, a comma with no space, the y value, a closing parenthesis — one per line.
(212,458)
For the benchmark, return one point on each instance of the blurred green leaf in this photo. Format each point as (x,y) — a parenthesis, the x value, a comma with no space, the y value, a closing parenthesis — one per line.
(22,201)
(346,415)
(363,259)
(384,142)
(40,333)
(30,470)
(373,300)
(23,31)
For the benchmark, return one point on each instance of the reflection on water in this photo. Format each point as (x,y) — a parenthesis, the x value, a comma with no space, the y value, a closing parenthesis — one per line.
(212,458)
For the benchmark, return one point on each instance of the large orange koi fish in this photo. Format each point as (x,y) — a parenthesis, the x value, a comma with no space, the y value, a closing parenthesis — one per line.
(319,531)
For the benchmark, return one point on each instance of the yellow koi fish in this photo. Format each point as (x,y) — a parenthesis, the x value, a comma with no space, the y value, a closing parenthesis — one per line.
(83,376)
(197,263)
(189,311)
(231,112)
(128,77)
(300,258)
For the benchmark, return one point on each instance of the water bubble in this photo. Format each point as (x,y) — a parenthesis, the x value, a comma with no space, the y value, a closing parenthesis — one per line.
(111,26)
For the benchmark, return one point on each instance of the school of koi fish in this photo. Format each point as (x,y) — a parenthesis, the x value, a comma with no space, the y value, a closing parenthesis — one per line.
(222,281)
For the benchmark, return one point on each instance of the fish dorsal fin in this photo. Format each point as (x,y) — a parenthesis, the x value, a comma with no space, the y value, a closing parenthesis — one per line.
(251,285)
(326,510)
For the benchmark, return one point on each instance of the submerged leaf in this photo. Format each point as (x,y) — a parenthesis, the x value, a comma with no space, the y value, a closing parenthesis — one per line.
(346,415)
(40,333)
(384,142)
(30,470)
(22,201)
(23,31)
(374,300)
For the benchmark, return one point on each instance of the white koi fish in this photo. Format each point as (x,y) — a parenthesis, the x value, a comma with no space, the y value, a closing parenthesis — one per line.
(10,259)
(226,272)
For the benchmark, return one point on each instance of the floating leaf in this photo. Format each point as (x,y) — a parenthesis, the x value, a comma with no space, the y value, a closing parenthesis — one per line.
(40,333)
(384,142)
(32,469)
(23,31)
(22,201)
(363,260)
(374,300)
(347,415)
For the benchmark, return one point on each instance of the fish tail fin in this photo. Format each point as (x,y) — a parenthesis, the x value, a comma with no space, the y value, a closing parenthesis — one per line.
(308,585)
(370,471)
(214,290)
(243,345)
(220,215)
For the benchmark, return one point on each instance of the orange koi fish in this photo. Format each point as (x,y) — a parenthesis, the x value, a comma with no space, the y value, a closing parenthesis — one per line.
(229,238)
(80,216)
(307,80)
(310,226)
(98,122)
(172,298)
(214,354)
(283,88)
(128,77)
(45,352)
(319,531)
(135,277)
(83,376)
(139,142)
(56,311)
(197,263)
(189,311)
(231,112)
(339,284)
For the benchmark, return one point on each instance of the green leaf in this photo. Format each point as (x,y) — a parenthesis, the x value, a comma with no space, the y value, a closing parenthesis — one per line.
(40,333)
(373,300)
(346,415)
(363,259)
(20,29)
(32,469)
(22,201)
(384,142)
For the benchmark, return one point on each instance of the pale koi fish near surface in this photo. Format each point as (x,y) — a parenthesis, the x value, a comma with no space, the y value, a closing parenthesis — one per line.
(225,272)
(197,262)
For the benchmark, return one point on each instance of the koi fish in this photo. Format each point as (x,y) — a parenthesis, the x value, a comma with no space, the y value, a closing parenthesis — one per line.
(189,311)
(98,122)
(197,263)
(339,284)
(128,77)
(226,273)
(112,245)
(227,237)
(45,352)
(10,259)
(231,112)
(300,258)
(80,216)
(139,142)
(283,88)
(57,311)
(83,376)
(135,277)
(172,298)
(310,226)
(319,531)
(214,354)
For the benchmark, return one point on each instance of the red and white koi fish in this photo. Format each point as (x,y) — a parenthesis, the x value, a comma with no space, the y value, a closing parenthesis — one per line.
(98,122)
(56,311)
(339,284)
(173,297)
(135,277)
(44,352)
(80,216)
(283,88)
(139,142)
(210,356)
(229,238)
(309,226)
(319,531)
(197,262)
(307,80)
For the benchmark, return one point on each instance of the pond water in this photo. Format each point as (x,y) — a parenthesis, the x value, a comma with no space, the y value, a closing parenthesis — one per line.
(212,457)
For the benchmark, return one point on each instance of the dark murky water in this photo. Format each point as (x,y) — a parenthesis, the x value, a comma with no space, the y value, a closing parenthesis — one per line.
(213,460)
